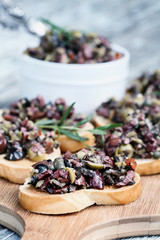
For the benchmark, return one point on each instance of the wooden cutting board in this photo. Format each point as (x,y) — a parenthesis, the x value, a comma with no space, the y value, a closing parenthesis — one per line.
(96,222)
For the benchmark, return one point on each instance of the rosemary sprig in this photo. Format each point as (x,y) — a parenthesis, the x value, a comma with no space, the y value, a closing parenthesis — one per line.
(60,127)
(59,30)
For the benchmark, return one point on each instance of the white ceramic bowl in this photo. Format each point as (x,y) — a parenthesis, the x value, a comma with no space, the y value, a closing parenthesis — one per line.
(86,84)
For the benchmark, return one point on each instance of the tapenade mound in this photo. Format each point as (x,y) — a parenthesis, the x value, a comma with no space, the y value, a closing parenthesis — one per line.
(73,47)
(139,137)
(21,144)
(37,109)
(75,181)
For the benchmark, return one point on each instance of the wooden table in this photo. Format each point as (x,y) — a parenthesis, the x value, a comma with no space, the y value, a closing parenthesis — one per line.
(73,226)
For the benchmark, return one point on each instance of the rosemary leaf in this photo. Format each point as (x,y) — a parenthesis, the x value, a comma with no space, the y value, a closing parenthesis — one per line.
(87,119)
(53,26)
(72,135)
(65,114)
(97,131)
(102,141)
(82,141)
(59,30)
(109,126)
(45,122)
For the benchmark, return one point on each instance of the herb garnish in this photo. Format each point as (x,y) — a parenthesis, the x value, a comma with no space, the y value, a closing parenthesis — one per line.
(59,30)
(71,131)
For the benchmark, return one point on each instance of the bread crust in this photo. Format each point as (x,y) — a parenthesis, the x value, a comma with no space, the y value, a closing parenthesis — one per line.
(18,171)
(148,166)
(99,120)
(68,144)
(41,202)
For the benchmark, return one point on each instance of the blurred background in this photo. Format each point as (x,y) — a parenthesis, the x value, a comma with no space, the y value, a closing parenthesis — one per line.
(132,24)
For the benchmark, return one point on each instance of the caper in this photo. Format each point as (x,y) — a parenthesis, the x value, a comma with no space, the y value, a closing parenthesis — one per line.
(72,174)
(58,163)
(156,155)
(95,165)
(126,150)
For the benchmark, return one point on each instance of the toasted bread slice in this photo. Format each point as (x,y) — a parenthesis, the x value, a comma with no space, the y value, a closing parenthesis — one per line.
(68,144)
(17,171)
(41,202)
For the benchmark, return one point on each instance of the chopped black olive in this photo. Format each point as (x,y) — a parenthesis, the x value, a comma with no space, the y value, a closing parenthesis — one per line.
(41,167)
(13,156)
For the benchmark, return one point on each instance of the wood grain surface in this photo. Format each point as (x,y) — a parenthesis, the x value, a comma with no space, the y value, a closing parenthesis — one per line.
(71,226)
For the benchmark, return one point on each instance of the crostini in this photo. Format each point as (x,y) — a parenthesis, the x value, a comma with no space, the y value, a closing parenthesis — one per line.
(76,181)
(22,144)
(37,109)
(139,137)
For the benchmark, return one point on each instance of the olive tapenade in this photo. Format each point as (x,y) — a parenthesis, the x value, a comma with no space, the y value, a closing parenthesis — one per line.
(147,84)
(36,108)
(73,47)
(19,139)
(139,111)
(85,169)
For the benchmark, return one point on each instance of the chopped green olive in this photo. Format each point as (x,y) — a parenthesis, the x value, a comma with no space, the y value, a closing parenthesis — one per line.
(72,174)
(36,157)
(126,150)
(95,165)
(131,134)
(39,183)
(81,154)
(127,114)
(59,163)
(137,140)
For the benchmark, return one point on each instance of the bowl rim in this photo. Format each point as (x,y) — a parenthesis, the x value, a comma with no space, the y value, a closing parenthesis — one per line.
(42,63)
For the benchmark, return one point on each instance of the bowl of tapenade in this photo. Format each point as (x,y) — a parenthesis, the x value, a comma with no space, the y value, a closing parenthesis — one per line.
(82,67)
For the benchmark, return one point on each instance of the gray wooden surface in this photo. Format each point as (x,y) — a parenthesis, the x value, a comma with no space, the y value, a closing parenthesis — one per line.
(134,24)
(6,234)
